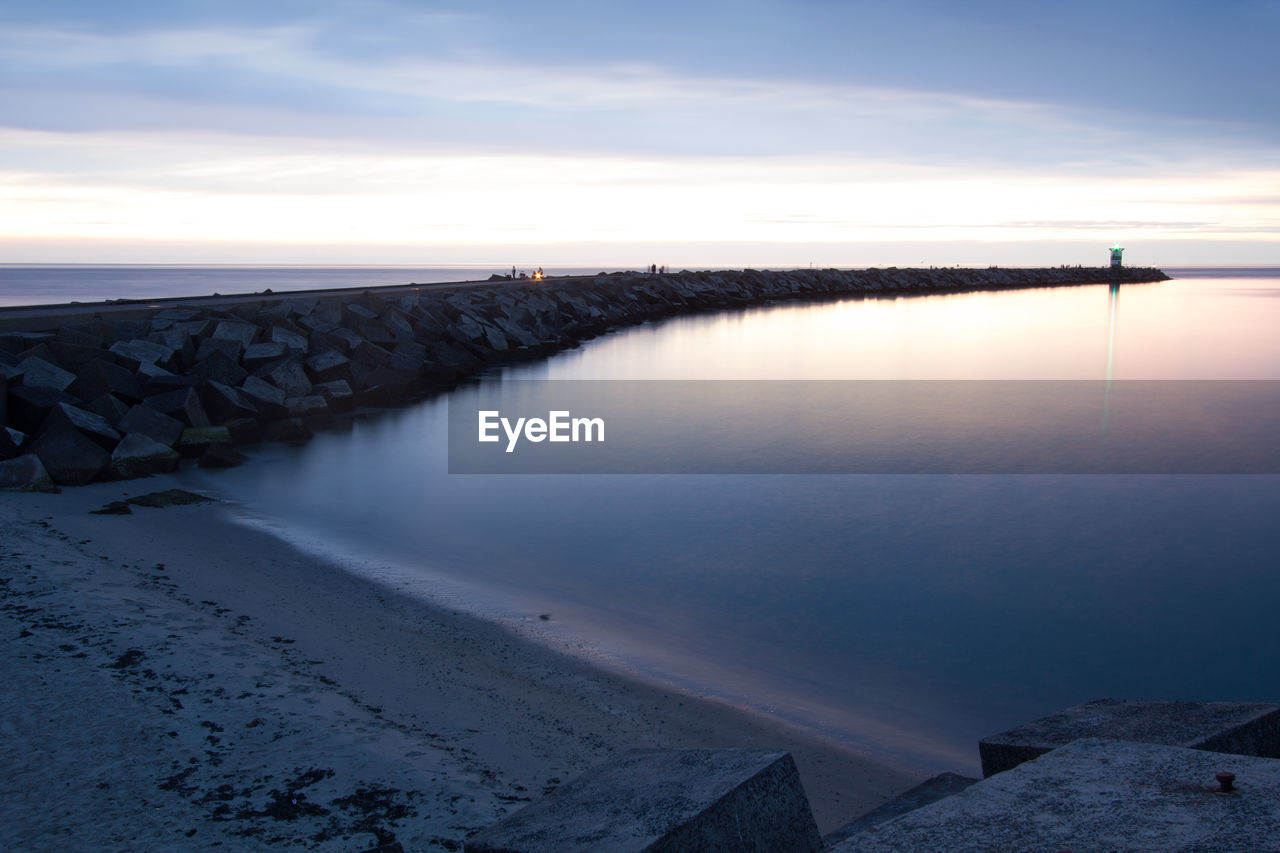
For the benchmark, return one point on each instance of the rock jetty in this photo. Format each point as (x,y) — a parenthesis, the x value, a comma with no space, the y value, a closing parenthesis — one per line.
(120,390)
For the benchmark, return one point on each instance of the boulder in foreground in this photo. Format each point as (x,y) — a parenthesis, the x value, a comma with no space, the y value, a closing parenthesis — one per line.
(1244,728)
(1098,794)
(25,474)
(667,799)
(138,455)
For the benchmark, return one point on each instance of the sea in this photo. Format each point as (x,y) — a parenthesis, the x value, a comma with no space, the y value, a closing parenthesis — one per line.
(905,615)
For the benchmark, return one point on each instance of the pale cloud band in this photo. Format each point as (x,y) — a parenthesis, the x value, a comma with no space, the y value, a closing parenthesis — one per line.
(243,135)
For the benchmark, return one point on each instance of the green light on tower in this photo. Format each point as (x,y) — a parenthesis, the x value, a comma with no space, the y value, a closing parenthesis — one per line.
(1116,251)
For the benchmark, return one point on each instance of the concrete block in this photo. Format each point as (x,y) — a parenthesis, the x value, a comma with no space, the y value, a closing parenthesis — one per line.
(346,338)
(70,456)
(196,328)
(246,334)
(178,340)
(667,800)
(94,426)
(288,431)
(25,474)
(223,403)
(292,340)
(110,407)
(221,456)
(218,367)
(1097,794)
(370,353)
(138,455)
(930,791)
(195,442)
(28,407)
(154,380)
(37,373)
(328,366)
(101,377)
(11,442)
(153,423)
(73,356)
(313,409)
(137,352)
(267,398)
(244,430)
(338,394)
(184,405)
(231,348)
(289,376)
(259,354)
(1246,728)
(16,342)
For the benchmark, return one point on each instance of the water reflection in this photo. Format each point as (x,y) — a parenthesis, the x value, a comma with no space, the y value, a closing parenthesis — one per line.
(908,614)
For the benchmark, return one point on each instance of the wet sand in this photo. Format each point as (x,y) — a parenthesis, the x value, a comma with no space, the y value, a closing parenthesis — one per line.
(174,680)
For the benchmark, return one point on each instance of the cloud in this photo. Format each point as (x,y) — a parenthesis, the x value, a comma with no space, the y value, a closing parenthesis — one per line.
(281,80)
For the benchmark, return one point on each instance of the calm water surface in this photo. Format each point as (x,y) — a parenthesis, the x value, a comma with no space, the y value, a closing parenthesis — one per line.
(905,615)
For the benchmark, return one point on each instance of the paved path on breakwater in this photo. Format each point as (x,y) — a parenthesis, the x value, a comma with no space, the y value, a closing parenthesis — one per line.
(40,317)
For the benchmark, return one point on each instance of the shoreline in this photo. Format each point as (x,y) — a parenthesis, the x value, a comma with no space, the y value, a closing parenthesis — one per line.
(460,718)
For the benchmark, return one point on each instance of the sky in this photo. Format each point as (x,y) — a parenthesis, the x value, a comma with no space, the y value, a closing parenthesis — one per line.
(753,133)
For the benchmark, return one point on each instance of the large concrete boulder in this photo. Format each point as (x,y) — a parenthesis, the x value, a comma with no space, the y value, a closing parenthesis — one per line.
(1096,794)
(73,357)
(347,339)
(246,334)
(11,442)
(16,342)
(288,431)
(244,430)
(370,353)
(232,349)
(25,474)
(154,380)
(328,366)
(221,456)
(218,367)
(184,405)
(103,377)
(266,398)
(36,372)
(137,352)
(338,394)
(70,456)
(94,427)
(290,339)
(313,409)
(29,406)
(138,455)
(182,342)
(259,354)
(289,376)
(89,335)
(1245,728)
(667,800)
(225,403)
(195,442)
(110,407)
(153,423)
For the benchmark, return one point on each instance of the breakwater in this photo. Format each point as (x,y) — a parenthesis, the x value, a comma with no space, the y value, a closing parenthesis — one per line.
(119,390)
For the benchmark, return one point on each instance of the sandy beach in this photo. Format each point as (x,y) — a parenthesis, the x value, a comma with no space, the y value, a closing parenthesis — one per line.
(174,680)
